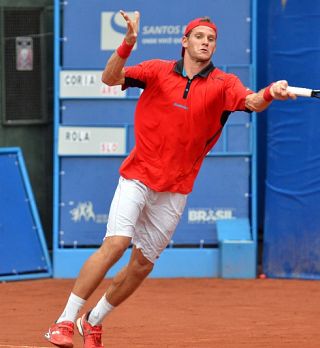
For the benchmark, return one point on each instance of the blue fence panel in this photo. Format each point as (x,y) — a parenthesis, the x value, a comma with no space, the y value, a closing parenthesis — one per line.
(85,199)
(91,31)
(221,192)
(22,246)
(291,236)
(97,112)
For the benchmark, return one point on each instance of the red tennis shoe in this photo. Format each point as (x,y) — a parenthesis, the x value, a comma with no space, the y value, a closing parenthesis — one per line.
(91,334)
(61,334)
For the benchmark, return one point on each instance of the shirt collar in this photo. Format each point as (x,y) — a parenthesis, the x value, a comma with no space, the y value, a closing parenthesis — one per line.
(179,69)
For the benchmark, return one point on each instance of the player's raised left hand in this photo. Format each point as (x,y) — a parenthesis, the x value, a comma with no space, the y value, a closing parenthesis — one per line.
(132,27)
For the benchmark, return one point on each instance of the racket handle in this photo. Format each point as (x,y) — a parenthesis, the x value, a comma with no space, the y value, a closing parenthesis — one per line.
(302,92)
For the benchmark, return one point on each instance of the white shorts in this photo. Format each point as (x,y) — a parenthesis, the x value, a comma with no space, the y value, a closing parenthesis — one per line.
(148,217)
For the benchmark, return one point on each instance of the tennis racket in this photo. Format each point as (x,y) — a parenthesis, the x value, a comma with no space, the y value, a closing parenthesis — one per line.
(304,92)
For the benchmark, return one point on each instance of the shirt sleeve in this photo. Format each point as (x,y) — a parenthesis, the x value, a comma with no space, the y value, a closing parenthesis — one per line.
(235,94)
(139,75)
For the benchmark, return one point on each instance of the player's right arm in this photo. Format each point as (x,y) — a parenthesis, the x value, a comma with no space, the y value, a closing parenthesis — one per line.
(114,73)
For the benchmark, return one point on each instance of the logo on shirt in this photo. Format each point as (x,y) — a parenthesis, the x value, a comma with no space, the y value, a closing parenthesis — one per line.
(113,30)
(180,106)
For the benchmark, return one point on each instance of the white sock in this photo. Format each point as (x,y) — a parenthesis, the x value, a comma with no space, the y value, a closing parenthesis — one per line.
(100,311)
(72,309)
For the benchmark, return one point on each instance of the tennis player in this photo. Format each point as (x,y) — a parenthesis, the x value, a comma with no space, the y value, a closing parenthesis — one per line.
(178,119)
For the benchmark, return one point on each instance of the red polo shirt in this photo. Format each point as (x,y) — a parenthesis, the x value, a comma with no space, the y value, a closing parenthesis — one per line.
(177,121)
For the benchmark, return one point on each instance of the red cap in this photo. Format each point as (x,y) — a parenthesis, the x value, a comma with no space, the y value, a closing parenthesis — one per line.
(196,23)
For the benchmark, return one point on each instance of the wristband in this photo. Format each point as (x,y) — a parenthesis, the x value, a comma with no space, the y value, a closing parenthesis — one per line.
(124,50)
(267,95)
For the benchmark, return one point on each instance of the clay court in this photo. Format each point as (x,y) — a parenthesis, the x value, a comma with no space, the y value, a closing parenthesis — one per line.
(175,313)
(64,135)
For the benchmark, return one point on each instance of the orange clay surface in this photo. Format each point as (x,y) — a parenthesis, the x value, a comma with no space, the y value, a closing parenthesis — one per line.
(175,313)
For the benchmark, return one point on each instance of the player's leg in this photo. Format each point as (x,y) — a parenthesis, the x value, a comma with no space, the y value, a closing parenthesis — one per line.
(126,207)
(154,230)
(122,286)
(130,278)
(96,267)
(127,204)
(91,274)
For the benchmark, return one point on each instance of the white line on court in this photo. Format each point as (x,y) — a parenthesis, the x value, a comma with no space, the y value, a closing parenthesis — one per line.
(10,346)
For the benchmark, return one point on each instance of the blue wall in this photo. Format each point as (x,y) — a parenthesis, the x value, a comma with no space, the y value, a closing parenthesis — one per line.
(23,251)
(292,221)
(219,193)
(84,184)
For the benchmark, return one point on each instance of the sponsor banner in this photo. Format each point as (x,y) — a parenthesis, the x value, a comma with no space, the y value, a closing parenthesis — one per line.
(86,84)
(113,29)
(208,215)
(92,141)
(94,29)
(83,223)
(84,212)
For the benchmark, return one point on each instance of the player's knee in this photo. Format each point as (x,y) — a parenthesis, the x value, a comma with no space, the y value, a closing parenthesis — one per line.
(115,246)
(142,271)
(141,266)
